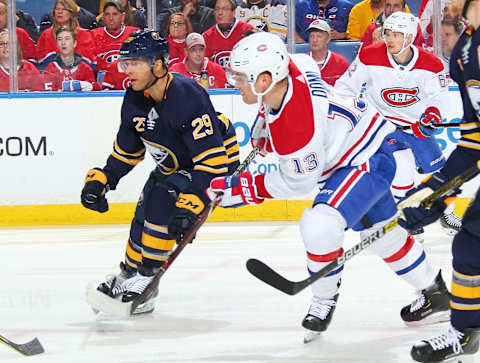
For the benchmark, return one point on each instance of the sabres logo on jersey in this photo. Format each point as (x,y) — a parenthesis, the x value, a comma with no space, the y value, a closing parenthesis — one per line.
(259,23)
(400,97)
(473,90)
(165,158)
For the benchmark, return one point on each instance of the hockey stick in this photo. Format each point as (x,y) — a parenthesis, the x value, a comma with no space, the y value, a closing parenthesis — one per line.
(33,347)
(153,285)
(433,126)
(264,273)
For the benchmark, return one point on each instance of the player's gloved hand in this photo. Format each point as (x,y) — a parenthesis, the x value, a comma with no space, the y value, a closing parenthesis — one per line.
(237,190)
(424,127)
(187,210)
(259,135)
(415,218)
(76,86)
(93,192)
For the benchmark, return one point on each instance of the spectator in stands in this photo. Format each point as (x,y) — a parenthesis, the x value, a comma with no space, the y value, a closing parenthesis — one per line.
(115,79)
(85,18)
(377,35)
(176,32)
(27,22)
(451,31)
(335,12)
(109,39)
(26,43)
(450,12)
(68,72)
(65,15)
(195,63)
(391,6)
(362,14)
(266,15)
(201,17)
(330,64)
(93,6)
(133,17)
(221,37)
(29,78)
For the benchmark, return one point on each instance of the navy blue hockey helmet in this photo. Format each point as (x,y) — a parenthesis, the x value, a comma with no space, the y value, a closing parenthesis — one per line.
(145,44)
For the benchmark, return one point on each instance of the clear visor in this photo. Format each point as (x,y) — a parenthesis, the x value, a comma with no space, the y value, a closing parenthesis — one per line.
(236,79)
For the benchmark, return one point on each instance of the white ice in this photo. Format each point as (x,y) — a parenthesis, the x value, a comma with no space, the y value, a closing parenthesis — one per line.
(210,309)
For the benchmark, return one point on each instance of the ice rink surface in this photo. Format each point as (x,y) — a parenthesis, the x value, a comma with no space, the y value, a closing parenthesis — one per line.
(210,309)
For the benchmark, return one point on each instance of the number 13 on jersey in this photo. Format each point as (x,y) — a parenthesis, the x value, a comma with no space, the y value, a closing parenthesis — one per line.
(308,164)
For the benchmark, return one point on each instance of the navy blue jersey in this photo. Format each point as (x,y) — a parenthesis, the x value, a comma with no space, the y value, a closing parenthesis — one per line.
(182,132)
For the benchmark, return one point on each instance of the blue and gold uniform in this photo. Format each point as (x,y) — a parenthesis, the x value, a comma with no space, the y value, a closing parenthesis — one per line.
(190,144)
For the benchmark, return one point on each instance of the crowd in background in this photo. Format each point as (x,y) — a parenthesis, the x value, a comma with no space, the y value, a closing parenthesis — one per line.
(76,45)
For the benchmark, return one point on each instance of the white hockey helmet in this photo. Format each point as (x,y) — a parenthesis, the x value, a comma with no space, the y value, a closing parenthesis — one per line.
(257,53)
(401,22)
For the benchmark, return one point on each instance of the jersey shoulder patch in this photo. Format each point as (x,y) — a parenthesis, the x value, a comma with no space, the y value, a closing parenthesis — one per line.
(428,61)
(375,55)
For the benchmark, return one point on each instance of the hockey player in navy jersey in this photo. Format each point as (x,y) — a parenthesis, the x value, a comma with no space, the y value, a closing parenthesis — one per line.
(463,335)
(335,143)
(190,146)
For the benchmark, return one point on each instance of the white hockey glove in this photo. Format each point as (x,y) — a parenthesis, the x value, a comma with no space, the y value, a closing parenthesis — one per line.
(76,86)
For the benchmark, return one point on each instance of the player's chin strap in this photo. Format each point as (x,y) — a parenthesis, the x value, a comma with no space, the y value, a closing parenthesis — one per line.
(155,79)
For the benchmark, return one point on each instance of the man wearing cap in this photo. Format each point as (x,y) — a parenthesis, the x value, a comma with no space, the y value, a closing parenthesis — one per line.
(332,65)
(195,62)
(109,39)
(335,12)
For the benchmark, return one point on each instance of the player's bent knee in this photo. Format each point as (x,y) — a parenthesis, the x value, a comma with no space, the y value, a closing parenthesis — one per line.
(322,229)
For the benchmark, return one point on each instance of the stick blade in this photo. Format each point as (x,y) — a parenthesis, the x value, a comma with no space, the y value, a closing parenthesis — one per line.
(33,347)
(264,273)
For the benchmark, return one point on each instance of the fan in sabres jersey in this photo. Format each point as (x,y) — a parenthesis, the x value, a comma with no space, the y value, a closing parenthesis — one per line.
(190,145)
(334,143)
(406,84)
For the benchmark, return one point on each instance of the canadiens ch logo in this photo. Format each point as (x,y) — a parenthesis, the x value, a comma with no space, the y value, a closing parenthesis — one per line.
(222,58)
(400,97)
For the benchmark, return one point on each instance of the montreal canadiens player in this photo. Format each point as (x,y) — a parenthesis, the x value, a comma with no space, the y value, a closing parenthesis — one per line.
(336,143)
(406,84)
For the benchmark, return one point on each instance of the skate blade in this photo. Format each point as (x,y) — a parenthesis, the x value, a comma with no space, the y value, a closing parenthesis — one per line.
(437,318)
(98,301)
(310,336)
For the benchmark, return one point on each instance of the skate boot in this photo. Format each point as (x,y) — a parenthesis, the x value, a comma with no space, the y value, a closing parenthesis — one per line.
(450,344)
(450,222)
(318,317)
(113,286)
(135,286)
(431,306)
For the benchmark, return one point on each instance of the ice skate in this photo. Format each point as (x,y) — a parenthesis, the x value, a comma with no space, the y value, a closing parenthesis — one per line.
(318,317)
(450,222)
(135,285)
(431,306)
(449,345)
(113,285)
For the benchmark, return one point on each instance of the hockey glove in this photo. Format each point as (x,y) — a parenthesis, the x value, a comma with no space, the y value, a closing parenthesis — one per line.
(93,193)
(423,128)
(237,190)
(259,135)
(76,86)
(187,210)
(415,218)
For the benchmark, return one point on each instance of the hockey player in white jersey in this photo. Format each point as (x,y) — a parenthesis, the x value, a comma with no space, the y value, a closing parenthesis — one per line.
(335,143)
(405,84)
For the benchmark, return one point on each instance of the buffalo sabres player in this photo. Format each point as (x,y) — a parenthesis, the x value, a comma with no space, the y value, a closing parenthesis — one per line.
(331,141)
(190,146)
(405,83)
(463,336)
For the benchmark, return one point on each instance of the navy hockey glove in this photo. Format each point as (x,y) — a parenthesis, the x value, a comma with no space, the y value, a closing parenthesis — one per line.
(187,210)
(423,128)
(415,218)
(93,192)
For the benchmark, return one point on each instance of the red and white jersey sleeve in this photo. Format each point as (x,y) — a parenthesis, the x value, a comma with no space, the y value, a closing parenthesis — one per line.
(400,92)
(108,45)
(315,132)
(219,45)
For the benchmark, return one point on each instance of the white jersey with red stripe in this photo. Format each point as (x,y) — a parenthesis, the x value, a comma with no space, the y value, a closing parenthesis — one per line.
(315,132)
(401,92)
